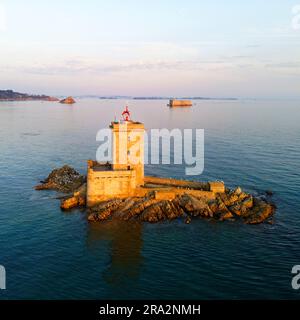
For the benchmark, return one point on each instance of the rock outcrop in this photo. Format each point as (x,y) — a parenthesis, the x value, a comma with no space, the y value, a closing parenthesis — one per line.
(232,205)
(68,100)
(77,200)
(64,179)
(229,205)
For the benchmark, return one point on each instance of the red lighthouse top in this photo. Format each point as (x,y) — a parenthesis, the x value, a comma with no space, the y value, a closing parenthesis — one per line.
(126,114)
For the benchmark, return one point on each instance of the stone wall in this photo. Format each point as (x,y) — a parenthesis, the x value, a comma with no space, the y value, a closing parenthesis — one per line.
(128,148)
(176,183)
(215,186)
(102,185)
(171,194)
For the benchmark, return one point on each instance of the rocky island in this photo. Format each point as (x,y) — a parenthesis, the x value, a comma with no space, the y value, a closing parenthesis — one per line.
(187,204)
(68,100)
(10,95)
(120,190)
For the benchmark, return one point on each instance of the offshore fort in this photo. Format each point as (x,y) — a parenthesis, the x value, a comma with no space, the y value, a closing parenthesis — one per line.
(120,190)
(180,103)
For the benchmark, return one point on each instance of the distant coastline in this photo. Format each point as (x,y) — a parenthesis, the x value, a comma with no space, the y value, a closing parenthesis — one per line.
(156,98)
(181,98)
(10,95)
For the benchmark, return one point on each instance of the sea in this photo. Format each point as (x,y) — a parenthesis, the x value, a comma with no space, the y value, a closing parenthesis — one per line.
(50,254)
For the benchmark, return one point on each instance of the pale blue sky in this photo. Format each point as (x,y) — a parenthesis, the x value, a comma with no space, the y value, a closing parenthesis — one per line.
(202,48)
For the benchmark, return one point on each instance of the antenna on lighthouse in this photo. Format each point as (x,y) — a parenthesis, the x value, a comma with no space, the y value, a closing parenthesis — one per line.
(126,114)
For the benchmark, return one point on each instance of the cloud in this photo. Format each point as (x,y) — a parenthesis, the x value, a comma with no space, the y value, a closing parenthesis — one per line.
(72,67)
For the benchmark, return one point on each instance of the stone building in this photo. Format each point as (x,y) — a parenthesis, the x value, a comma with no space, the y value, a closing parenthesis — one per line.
(125,174)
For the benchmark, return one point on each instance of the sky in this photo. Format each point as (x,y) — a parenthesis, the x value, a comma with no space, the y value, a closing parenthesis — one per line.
(215,48)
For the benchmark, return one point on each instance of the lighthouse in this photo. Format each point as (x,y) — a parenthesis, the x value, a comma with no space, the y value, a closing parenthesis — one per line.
(125,173)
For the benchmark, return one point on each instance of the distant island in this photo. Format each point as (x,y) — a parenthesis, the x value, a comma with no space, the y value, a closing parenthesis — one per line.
(68,100)
(158,98)
(181,98)
(10,95)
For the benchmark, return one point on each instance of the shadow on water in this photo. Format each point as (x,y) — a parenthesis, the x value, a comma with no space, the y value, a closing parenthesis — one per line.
(125,243)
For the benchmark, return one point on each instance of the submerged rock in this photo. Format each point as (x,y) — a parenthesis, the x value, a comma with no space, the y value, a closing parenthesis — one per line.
(65,179)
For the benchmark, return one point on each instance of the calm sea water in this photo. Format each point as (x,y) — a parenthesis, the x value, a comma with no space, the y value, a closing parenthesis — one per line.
(49,254)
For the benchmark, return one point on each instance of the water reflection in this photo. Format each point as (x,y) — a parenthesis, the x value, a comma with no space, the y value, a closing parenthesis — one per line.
(125,243)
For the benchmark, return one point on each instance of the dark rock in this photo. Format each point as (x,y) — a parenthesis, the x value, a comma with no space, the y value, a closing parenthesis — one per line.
(260,212)
(188,220)
(222,212)
(213,206)
(236,209)
(226,216)
(104,210)
(122,211)
(163,210)
(194,206)
(229,198)
(137,208)
(238,191)
(248,202)
(64,179)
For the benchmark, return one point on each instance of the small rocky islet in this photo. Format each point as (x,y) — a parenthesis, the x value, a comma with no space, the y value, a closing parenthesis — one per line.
(232,205)
(68,100)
